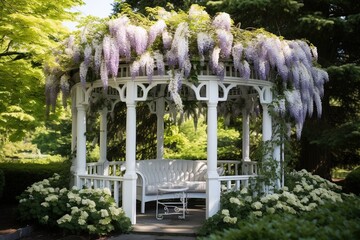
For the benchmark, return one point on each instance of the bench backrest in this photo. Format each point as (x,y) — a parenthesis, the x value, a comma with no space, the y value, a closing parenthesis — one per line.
(164,170)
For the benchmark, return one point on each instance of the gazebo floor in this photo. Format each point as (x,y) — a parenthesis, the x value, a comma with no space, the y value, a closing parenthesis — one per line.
(170,225)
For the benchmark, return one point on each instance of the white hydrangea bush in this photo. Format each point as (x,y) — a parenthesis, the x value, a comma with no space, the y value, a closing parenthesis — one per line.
(90,211)
(304,193)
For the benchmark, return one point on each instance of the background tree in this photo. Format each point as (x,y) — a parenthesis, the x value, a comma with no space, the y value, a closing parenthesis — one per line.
(141,5)
(333,26)
(28,32)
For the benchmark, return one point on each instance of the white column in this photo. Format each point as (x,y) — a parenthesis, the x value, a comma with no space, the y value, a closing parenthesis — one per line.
(103,141)
(129,184)
(212,182)
(266,124)
(73,137)
(160,111)
(245,135)
(80,167)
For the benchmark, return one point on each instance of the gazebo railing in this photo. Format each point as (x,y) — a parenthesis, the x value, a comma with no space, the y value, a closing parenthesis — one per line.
(235,183)
(98,181)
(230,167)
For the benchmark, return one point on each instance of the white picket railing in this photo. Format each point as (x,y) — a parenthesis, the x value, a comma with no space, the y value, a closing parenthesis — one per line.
(98,181)
(235,183)
(230,181)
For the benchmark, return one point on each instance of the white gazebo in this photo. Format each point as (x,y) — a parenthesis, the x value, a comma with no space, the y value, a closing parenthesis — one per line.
(152,63)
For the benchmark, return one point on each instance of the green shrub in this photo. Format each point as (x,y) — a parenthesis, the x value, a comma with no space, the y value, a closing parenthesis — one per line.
(22,174)
(75,211)
(352,181)
(2,182)
(329,221)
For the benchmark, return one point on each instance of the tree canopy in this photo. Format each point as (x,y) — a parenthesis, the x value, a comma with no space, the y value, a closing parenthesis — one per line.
(28,32)
(332,26)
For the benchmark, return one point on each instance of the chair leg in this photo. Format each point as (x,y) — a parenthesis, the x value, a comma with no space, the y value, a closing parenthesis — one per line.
(142,206)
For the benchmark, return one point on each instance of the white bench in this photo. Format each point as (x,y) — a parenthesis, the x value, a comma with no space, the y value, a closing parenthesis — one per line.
(153,174)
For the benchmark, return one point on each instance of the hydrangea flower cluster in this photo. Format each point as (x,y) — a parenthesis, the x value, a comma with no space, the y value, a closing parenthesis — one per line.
(76,210)
(179,40)
(304,193)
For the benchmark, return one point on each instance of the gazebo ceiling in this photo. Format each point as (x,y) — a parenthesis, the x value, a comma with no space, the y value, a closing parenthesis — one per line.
(176,47)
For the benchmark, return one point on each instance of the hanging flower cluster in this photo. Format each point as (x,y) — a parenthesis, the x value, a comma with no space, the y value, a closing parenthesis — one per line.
(178,41)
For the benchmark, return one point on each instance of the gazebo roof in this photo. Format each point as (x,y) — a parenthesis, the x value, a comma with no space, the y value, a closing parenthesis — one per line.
(178,45)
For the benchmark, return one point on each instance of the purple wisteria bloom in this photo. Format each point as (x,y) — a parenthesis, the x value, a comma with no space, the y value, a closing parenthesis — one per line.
(115,25)
(83,72)
(205,42)
(317,99)
(167,39)
(245,70)
(113,67)
(104,74)
(135,69)
(214,59)
(147,65)
(138,38)
(107,49)
(160,65)
(295,105)
(88,55)
(222,21)
(180,44)
(155,30)
(225,39)
(65,88)
(97,58)
(237,52)
(76,55)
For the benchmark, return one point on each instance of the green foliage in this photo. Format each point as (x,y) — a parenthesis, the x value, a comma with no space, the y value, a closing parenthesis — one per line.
(20,150)
(352,181)
(329,221)
(29,31)
(2,183)
(185,141)
(304,193)
(332,26)
(142,5)
(23,173)
(55,136)
(76,211)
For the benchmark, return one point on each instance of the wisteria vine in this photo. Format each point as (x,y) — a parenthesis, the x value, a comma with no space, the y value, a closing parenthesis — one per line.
(168,41)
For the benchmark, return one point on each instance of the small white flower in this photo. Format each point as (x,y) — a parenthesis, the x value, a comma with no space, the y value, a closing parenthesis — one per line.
(225,212)
(257,213)
(104,213)
(81,221)
(229,219)
(257,205)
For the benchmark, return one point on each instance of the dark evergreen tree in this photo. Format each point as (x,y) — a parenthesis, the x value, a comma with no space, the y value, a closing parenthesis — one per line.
(333,26)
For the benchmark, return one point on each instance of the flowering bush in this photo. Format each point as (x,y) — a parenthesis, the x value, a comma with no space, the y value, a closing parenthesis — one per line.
(85,210)
(329,221)
(305,192)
